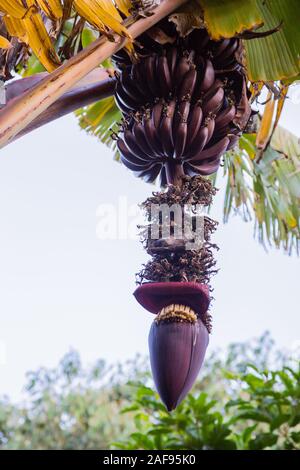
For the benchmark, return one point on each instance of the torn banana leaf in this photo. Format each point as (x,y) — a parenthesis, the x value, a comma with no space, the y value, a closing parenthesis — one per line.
(287,143)
(102,14)
(226,18)
(39,40)
(40,23)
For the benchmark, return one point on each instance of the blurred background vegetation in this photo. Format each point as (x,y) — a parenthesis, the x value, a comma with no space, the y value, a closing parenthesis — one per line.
(247,397)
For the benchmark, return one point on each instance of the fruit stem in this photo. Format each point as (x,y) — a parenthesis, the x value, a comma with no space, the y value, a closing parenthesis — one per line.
(174,173)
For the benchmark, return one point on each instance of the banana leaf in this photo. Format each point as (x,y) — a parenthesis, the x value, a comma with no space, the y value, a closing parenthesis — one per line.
(276,57)
(100,119)
(226,18)
(268,191)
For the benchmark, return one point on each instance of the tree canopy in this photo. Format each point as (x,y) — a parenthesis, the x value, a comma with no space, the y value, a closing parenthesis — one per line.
(246,397)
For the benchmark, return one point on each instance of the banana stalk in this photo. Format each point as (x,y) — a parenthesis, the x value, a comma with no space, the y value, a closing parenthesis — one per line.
(97,85)
(19,114)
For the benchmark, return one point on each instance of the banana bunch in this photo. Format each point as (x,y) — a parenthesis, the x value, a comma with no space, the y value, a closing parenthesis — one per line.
(178,114)
(169,73)
(193,137)
(184,105)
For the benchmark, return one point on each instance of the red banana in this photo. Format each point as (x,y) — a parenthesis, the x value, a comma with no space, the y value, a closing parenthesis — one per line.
(188,84)
(225,117)
(194,124)
(210,128)
(208,76)
(165,80)
(133,147)
(211,153)
(198,144)
(165,130)
(152,136)
(206,168)
(140,138)
(212,102)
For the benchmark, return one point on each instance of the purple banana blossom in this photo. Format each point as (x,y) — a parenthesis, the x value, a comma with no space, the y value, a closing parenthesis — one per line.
(178,338)
(177,351)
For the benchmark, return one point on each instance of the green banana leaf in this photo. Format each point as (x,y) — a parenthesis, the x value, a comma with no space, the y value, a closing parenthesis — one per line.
(226,18)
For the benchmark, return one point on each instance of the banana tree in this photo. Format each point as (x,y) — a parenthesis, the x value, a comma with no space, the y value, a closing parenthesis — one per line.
(172,87)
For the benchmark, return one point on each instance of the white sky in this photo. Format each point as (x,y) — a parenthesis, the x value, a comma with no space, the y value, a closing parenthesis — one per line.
(62,288)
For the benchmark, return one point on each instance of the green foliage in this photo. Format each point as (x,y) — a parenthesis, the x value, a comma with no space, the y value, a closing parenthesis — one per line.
(272,398)
(196,424)
(263,413)
(33,66)
(264,58)
(225,19)
(70,407)
(239,402)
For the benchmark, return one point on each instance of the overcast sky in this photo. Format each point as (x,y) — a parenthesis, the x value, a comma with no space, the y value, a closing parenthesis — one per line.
(61,287)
